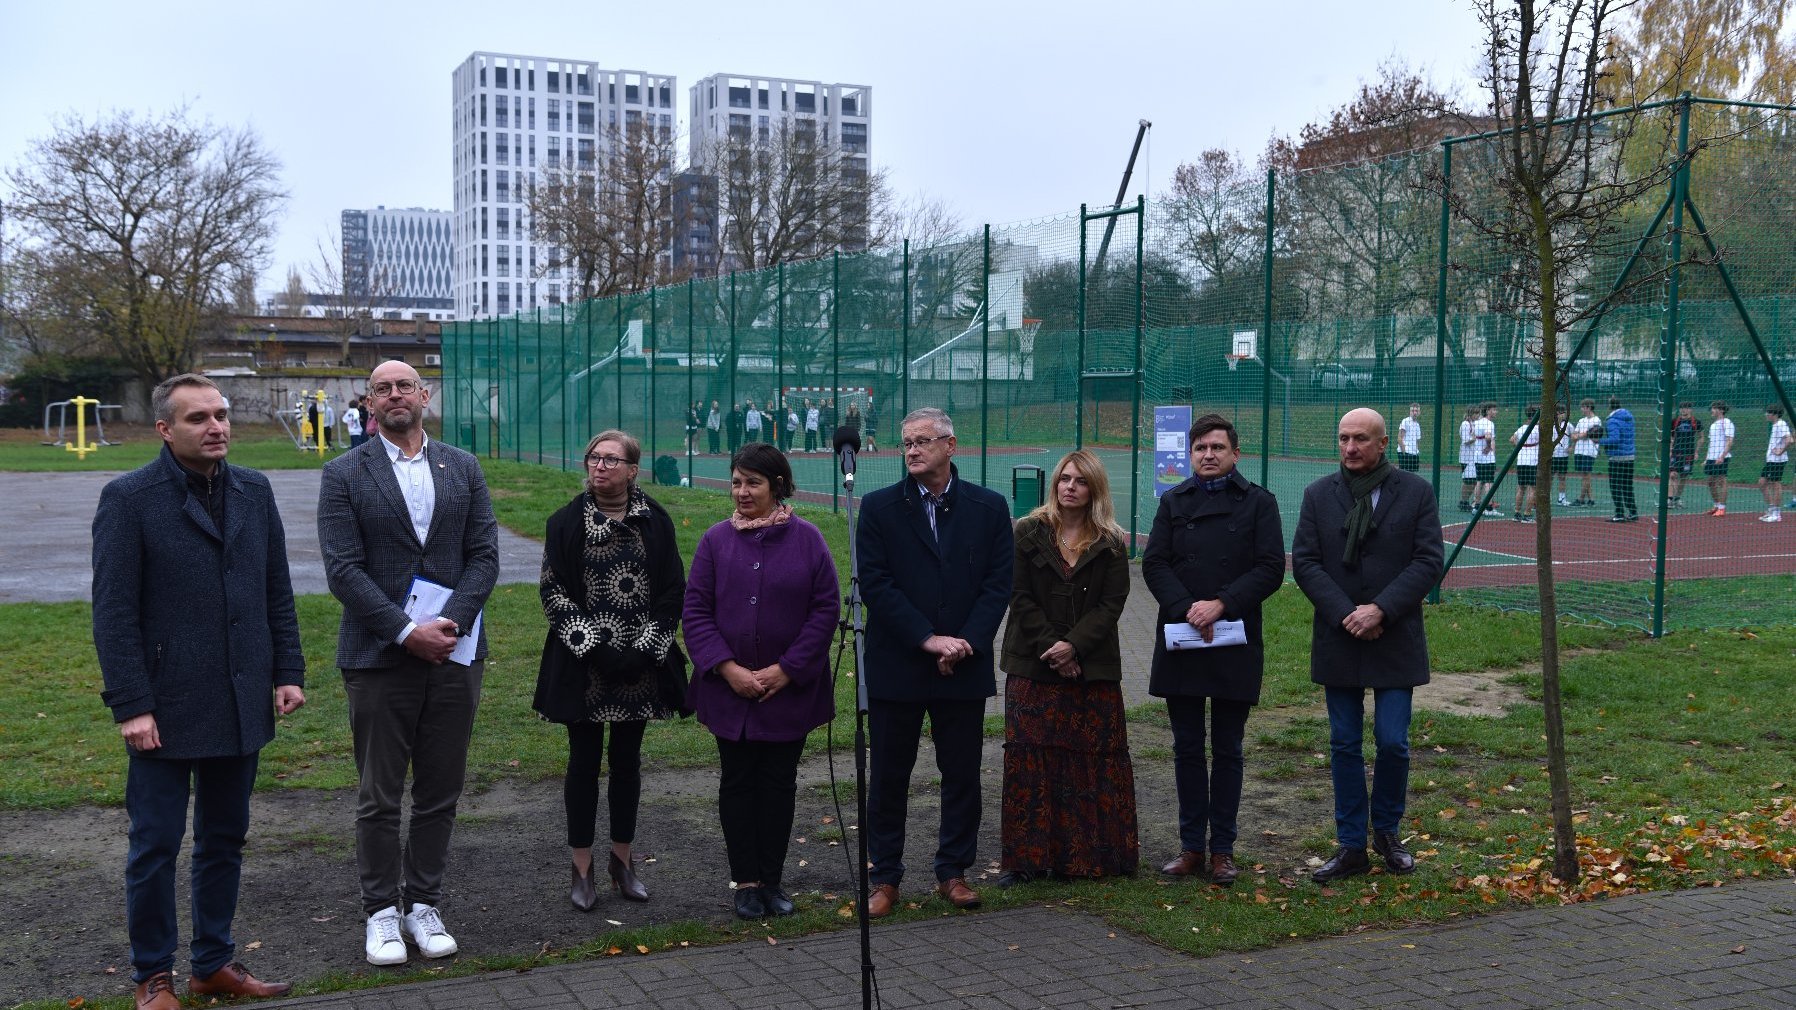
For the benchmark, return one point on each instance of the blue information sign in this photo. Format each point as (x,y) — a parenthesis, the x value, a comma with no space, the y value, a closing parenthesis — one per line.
(1172,461)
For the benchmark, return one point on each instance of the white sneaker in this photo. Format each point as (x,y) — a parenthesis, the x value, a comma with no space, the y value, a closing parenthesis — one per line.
(383,943)
(1562,501)
(1771,517)
(424,928)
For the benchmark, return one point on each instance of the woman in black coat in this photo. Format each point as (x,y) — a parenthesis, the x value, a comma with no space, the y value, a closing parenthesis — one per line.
(612,588)
(1216,551)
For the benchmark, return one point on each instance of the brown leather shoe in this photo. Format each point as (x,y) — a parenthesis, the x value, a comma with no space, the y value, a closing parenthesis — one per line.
(157,993)
(1222,869)
(234,980)
(1188,864)
(958,893)
(882,900)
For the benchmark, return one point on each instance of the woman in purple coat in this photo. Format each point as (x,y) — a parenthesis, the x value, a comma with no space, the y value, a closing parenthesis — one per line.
(760,608)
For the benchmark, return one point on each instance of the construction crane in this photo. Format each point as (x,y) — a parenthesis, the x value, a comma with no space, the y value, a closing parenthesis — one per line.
(1097,265)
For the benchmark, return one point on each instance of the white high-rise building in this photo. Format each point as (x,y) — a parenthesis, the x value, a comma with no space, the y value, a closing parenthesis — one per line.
(842,114)
(748,108)
(512,114)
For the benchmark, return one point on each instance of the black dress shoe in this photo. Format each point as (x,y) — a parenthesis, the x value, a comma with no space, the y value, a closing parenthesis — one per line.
(624,879)
(776,899)
(751,903)
(1396,858)
(1346,862)
(1011,878)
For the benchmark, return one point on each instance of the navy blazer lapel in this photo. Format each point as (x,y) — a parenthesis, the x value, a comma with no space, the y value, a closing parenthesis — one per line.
(380,470)
(195,507)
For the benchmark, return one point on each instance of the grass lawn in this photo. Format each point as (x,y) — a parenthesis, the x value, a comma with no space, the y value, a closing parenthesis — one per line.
(1681,754)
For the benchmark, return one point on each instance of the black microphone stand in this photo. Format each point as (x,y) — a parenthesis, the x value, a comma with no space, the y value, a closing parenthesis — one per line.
(855,623)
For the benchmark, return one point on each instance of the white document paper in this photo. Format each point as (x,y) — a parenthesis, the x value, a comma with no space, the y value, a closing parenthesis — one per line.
(1184,636)
(425,602)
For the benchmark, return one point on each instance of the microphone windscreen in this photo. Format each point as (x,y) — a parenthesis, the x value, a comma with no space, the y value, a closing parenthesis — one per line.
(847,436)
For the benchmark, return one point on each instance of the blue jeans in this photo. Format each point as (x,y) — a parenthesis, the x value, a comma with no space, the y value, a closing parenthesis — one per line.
(156,792)
(1209,799)
(1347,759)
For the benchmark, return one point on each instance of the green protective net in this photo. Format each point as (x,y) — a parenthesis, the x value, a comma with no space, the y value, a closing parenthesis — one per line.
(1070,331)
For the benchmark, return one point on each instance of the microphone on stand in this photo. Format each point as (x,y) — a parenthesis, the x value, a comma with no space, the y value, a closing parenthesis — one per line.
(847,444)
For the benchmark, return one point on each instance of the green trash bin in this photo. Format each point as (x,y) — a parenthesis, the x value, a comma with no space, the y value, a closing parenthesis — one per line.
(1025,489)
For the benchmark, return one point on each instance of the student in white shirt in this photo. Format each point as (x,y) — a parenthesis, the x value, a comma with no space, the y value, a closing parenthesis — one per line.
(1721,453)
(1484,433)
(1777,456)
(1409,440)
(1562,447)
(1527,465)
(1468,454)
(1585,433)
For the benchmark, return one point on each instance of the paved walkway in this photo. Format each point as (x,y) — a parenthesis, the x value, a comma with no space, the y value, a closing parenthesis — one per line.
(1706,948)
(47,539)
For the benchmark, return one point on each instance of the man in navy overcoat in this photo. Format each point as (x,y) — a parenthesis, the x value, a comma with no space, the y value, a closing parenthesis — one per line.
(936,557)
(198,645)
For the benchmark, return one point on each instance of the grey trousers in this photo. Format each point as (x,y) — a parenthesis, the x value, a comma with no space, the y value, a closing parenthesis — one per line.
(420,717)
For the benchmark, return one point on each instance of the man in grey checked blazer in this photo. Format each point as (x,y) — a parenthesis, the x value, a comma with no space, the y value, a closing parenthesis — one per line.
(396,507)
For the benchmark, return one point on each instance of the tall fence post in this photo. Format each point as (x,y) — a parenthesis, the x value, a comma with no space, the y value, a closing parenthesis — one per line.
(1680,191)
(1140,376)
(536,333)
(835,363)
(904,353)
(985,355)
(779,352)
(617,356)
(1266,325)
(561,377)
(1079,376)
(1440,333)
(731,385)
(651,344)
(691,369)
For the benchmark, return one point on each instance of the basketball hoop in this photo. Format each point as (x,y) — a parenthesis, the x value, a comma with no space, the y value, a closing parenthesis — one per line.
(1026,336)
(1235,359)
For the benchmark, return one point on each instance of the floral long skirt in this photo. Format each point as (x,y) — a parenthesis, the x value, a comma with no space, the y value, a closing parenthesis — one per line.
(1069,787)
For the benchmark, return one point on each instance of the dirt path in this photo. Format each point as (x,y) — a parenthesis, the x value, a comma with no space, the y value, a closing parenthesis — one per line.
(60,872)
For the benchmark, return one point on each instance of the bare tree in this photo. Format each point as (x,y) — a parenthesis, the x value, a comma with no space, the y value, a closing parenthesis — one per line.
(1364,225)
(150,219)
(293,298)
(788,194)
(1561,185)
(1213,215)
(606,216)
(350,296)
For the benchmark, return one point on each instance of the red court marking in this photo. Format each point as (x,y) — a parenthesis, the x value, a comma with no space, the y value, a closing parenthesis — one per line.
(1589,548)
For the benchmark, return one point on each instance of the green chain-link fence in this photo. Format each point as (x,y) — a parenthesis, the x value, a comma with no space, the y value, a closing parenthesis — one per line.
(1349,286)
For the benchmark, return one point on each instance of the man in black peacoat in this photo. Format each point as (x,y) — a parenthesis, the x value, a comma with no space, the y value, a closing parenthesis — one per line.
(195,631)
(936,559)
(1367,631)
(1216,552)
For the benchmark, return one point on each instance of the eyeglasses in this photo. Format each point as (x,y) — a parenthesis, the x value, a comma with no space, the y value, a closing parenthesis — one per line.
(918,443)
(606,462)
(404,387)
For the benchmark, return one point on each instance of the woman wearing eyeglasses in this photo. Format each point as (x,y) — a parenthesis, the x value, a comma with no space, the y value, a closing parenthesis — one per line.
(759,612)
(612,583)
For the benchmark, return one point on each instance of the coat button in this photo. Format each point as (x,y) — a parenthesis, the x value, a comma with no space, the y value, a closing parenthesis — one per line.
(756,566)
(752,600)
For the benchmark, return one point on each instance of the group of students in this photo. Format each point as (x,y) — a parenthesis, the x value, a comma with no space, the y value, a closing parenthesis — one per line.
(1573,448)
(777,425)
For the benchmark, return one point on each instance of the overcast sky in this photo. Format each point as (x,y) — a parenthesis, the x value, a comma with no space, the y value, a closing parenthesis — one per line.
(1005,111)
